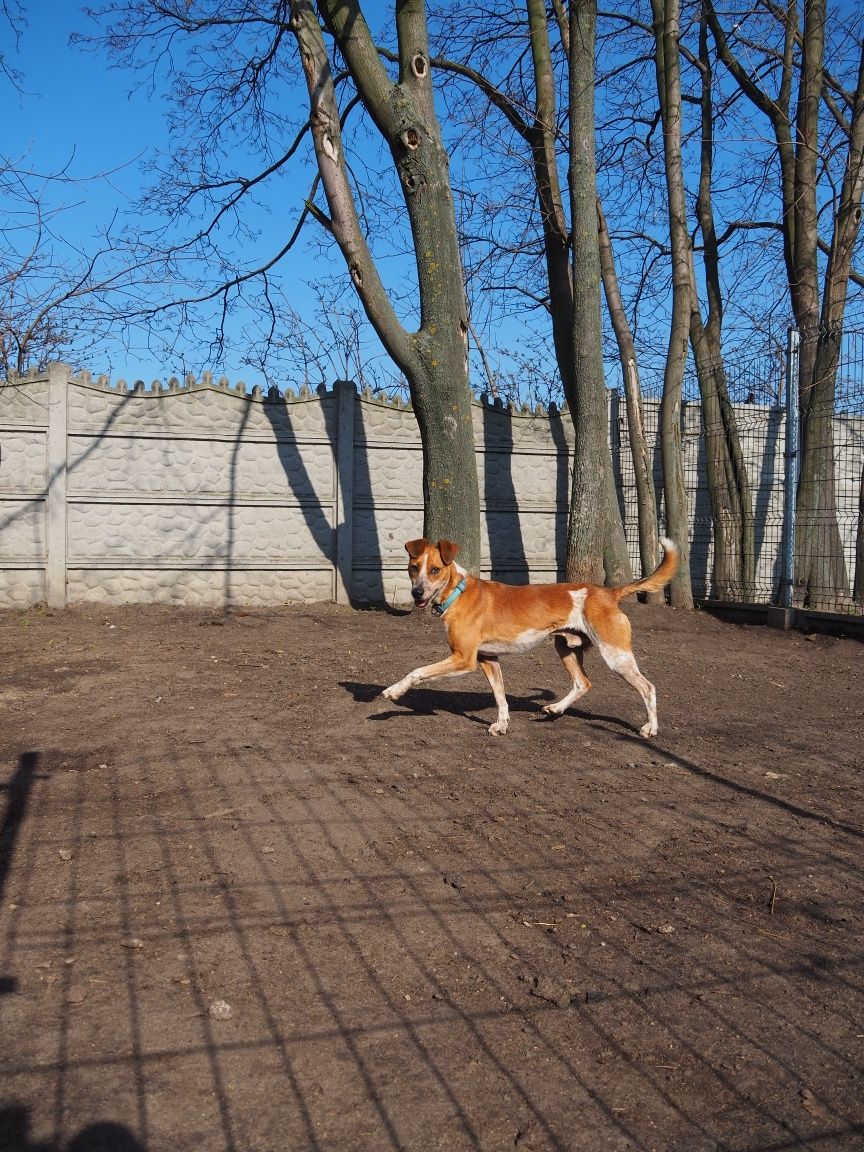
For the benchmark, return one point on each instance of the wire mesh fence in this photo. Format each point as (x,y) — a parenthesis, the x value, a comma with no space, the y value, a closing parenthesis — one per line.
(773,519)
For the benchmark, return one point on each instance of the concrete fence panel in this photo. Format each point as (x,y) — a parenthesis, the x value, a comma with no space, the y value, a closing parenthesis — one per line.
(205,494)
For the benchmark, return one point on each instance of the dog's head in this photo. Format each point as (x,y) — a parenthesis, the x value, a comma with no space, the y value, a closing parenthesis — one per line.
(429,566)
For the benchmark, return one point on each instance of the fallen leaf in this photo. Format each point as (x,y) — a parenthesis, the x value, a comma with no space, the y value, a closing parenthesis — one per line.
(812,1105)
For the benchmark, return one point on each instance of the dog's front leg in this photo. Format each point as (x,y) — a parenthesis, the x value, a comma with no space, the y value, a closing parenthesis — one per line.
(496,681)
(453,666)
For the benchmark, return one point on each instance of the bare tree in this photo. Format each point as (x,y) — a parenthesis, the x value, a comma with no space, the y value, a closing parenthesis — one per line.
(667,61)
(433,358)
(242,59)
(54,293)
(646,500)
(595,537)
(12,15)
(728,482)
(806,166)
(569,254)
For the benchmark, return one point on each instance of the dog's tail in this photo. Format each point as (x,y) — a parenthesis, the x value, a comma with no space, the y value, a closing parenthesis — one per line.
(658,578)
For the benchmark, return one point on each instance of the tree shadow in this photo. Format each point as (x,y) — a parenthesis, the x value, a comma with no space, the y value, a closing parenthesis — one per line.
(19,790)
(103,1136)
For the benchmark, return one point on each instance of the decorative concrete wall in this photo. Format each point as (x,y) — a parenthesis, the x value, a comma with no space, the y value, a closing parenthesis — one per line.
(203,494)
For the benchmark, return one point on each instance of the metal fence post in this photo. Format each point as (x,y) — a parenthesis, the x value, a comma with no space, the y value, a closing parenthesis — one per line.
(790,457)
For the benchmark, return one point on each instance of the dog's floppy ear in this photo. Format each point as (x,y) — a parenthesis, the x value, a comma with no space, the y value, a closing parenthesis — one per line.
(448,550)
(416,548)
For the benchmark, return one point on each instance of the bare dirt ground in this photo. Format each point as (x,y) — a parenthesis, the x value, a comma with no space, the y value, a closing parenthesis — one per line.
(248,905)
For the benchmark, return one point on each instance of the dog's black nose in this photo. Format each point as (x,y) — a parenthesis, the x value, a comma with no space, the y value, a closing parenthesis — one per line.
(417,593)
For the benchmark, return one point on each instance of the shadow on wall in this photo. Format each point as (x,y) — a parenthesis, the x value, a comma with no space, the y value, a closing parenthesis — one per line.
(351,468)
(367,555)
(562,489)
(508,554)
(507,558)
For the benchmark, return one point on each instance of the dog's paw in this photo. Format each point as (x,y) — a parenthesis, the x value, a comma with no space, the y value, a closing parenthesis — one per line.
(499,728)
(553,711)
(391,693)
(648,730)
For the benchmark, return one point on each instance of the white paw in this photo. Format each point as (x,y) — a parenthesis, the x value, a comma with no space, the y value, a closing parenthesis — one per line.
(553,709)
(648,730)
(393,692)
(499,728)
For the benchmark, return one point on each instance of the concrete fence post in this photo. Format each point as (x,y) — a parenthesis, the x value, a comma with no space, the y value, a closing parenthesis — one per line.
(55,511)
(345,403)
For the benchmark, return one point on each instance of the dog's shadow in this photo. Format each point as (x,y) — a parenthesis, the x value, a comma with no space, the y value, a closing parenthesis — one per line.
(429,702)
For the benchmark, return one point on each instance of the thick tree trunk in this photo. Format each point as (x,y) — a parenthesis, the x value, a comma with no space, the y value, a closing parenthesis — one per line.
(596,546)
(728,487)
(666,35)
(821,579)
(434,358)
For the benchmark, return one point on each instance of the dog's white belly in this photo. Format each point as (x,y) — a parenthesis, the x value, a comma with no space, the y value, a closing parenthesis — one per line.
(524,642)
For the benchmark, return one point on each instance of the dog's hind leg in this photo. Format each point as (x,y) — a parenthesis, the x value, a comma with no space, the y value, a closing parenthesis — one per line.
(624,663)
(496,681)
(573,658)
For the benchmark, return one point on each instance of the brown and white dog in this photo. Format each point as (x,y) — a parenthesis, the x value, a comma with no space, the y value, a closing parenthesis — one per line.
(484,619)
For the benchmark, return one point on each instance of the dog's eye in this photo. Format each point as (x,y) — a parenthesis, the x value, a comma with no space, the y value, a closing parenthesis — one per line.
(434,571)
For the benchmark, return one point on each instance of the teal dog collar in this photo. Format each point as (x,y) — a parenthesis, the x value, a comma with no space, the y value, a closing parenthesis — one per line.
(440,609)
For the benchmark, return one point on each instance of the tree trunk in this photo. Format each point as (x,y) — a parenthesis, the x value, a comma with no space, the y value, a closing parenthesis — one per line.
(821,580)
(434,358)
(596,546)
(666,35)
(728,482)
(728,487)
(646,501)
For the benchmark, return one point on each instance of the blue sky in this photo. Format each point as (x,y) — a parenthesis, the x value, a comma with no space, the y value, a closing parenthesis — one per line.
(75,113)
